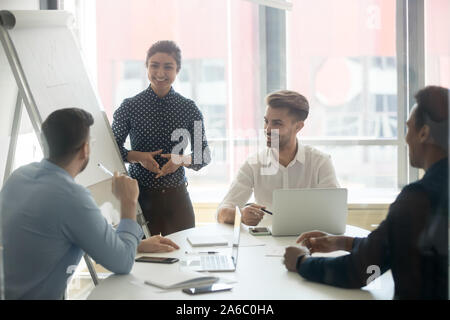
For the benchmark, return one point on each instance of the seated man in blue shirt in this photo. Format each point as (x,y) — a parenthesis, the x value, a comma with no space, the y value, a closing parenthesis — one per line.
(413,239)
(49,221)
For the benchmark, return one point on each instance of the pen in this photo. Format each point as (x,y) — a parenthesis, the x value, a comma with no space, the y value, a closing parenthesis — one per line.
(201,252)
(266,211)
(104,169)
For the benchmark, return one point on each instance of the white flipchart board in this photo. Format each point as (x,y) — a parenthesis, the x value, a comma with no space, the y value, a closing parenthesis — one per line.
(53,66)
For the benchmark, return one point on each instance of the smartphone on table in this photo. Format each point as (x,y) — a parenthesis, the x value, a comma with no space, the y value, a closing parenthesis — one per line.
(207,289)
(259,231)
(156,259)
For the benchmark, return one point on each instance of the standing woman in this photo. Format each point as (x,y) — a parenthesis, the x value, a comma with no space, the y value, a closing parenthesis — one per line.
(154,120)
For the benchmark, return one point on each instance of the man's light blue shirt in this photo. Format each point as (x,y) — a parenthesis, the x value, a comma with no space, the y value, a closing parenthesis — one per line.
(49,221)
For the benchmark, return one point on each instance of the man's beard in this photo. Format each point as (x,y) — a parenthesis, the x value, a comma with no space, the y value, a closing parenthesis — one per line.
(281,143)
(84,165)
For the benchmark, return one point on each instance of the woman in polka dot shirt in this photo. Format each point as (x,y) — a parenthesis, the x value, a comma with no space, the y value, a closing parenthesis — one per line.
(160,122)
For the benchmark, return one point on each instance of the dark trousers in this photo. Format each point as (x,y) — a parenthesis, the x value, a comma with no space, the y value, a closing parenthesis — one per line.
(167,210)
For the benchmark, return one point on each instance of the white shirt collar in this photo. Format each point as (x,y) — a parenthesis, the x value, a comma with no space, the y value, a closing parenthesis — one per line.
(269,155)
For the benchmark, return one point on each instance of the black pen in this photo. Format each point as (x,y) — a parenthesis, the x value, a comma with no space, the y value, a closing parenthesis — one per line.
(202,252)
(266,211)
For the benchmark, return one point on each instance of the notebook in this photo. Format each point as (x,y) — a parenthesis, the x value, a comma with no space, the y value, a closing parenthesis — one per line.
(174,278)
(220,263)
(207,241)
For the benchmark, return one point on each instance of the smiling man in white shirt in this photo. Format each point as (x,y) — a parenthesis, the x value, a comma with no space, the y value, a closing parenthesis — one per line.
(284,164)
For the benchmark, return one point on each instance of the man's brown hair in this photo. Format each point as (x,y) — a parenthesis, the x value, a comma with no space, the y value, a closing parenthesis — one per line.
(432,110)
(296,103)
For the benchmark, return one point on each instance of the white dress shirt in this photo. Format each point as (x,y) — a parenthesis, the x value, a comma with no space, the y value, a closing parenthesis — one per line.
(261,174)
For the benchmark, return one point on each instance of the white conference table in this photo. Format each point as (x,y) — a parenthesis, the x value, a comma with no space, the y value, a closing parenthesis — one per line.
(257,277)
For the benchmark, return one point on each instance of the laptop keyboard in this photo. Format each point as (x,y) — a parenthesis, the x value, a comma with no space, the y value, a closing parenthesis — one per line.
(215,262)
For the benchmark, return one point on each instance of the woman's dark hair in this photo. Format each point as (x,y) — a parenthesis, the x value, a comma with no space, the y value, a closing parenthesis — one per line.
(165,46)
(65,132)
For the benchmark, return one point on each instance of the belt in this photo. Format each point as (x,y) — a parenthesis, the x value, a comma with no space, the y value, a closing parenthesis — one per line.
(163,190)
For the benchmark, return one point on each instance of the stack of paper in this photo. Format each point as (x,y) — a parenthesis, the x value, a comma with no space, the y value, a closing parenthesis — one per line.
(207,241)
(173,278)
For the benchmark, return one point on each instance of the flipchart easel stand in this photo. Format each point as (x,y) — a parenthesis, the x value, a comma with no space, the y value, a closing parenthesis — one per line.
(25,97)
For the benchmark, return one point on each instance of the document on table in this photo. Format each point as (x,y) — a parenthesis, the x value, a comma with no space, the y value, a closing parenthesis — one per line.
(173,279)
(275,251)
(246,240)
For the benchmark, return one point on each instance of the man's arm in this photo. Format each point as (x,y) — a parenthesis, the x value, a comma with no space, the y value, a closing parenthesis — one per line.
(240,191)
(87,229)
(318,241)
(375,251)
(350,271)
(327,175)
(121,128)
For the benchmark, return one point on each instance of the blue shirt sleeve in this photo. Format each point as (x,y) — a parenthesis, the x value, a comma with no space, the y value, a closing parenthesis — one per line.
(121,128)
(83,225)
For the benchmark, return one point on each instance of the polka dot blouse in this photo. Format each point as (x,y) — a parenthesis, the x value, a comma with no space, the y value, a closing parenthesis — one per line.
(152,123)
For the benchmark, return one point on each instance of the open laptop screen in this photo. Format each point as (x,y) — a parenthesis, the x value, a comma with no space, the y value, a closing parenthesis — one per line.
(236,235)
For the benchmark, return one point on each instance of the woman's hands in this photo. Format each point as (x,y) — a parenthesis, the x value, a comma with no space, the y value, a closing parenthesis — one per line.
(174,162)
(147,160)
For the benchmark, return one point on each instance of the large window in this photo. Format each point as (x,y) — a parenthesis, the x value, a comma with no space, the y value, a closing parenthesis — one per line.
(342,56)
(437,43)
(347,57)
(220,70)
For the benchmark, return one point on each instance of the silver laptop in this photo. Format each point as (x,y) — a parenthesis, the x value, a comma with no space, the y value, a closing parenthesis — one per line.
(300,210)
(221,262)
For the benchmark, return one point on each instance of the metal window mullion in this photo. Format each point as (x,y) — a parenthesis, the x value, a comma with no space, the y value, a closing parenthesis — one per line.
(276,4)
(275,49)
(402,89)
(386,142)
(262,61)
(49,4)
(368,142)
(416,59)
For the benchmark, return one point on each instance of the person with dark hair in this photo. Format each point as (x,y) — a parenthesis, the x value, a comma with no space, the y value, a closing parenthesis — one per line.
(413,239)
(160,122)
(284,164)
(49,220)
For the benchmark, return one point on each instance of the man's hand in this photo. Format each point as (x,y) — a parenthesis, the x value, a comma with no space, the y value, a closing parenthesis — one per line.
(126,190)
(157,244)
(318,241)
(226,215)
(291,256)
(175,161)
(252,214)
